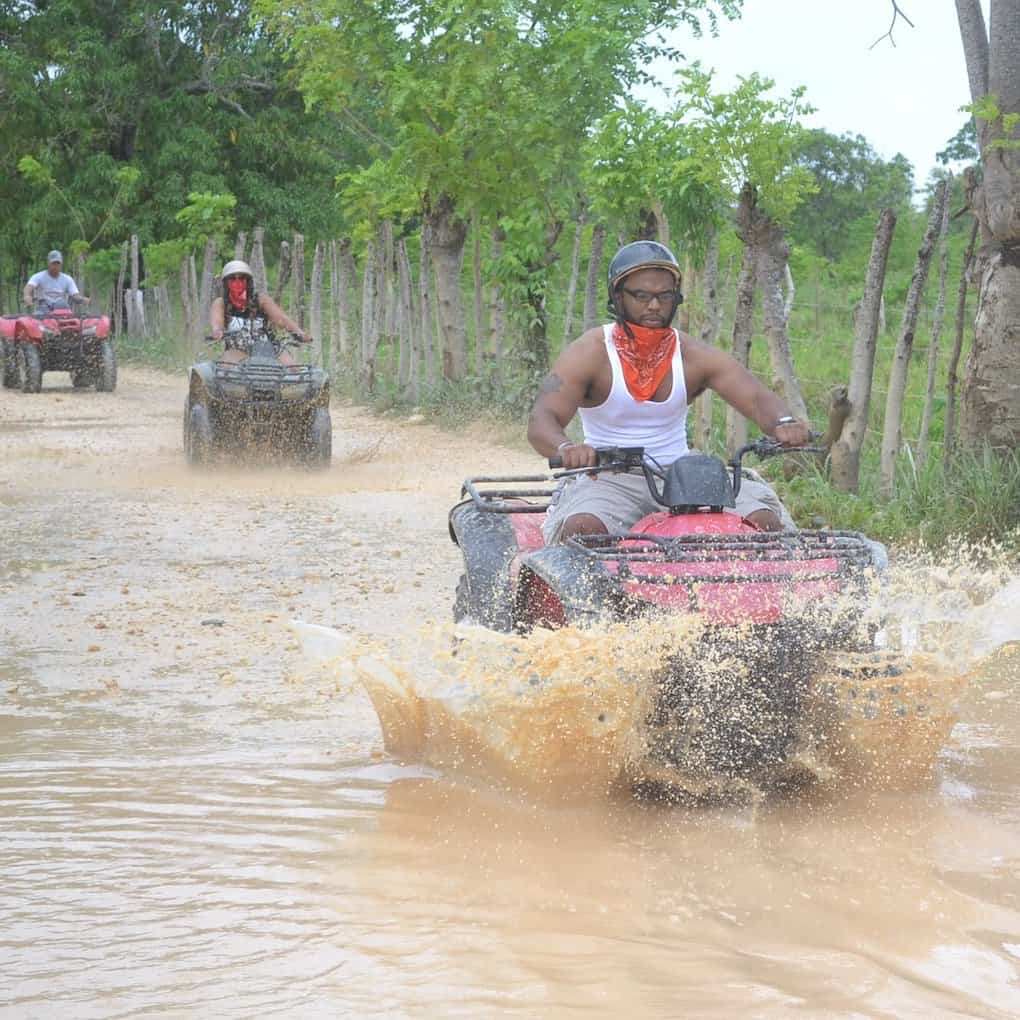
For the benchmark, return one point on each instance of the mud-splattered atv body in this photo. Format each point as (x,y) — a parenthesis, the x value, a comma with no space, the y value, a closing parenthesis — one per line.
(771,602)
(258,402)
(57,340)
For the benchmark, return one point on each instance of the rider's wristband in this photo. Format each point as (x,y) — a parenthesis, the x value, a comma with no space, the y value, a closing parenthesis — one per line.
(566,442)
(787,419)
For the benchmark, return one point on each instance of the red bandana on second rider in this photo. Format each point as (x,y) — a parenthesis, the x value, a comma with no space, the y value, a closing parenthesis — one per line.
(645,357)
(237,289)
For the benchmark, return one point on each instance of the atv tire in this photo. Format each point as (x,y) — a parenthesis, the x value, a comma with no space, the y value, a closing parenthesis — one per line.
(319,439)
(29,368)
(8,365)
(463,607)
(198,435)
(82,379)
(106,380)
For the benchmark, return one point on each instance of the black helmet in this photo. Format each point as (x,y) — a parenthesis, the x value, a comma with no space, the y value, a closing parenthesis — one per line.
(641,255)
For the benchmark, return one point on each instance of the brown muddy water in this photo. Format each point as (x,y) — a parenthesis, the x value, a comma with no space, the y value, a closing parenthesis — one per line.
(197,820)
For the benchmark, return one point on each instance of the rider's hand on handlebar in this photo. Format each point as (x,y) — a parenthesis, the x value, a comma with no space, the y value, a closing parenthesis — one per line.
(793,433)
(578,455)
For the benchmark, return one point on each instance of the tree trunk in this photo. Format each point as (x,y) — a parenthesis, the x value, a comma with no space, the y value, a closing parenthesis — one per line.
(334,309)
(477,295)
(892,427)
(743,321)
(949,442)
(661,222)
(382,314)
(683,322)
(283,273)
(348,273)
(208,275)
(497,312)
(447,236)
(593,282)
(575,272)
(936,332)
(298,280)
(772,254)
(990,407)
(407,370)
(201,318)
(708,334)
(315,321)
(240,245)
(845,454)
(368,324)
(132,302)
(425,308)
(119,308)
(258,261)
(186,305)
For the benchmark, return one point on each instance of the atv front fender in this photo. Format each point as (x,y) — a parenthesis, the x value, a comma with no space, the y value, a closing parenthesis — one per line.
(583,586)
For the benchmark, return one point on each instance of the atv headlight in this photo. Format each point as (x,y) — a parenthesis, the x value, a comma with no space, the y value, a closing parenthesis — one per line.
(89,331)
(50,334)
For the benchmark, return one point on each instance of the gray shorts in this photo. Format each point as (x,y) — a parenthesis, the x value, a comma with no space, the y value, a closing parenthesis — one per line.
(619,501)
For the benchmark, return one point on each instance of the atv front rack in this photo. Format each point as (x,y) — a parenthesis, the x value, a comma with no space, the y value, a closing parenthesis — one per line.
(263,381)
(508,501)
(849,549)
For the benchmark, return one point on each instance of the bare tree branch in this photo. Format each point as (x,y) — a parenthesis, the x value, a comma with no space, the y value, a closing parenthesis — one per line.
(897,13)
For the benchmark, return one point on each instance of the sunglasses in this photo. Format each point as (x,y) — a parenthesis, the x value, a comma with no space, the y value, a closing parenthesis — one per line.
(644,297)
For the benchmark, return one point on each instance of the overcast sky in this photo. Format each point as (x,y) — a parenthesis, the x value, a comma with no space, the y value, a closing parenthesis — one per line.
(902,99)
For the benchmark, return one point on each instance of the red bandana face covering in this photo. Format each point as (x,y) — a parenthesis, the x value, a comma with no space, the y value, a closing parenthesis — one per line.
(646,357)
(237,289)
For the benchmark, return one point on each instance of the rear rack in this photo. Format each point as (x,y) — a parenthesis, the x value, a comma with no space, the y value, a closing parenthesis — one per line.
(508,501)
(849,549)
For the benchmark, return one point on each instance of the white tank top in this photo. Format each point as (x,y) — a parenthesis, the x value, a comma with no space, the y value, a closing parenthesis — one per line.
(620,420)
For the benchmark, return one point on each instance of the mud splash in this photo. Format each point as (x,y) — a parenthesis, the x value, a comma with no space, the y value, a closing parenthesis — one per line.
(572,713)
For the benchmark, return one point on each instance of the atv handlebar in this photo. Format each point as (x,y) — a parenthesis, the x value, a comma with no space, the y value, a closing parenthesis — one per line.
(622,458)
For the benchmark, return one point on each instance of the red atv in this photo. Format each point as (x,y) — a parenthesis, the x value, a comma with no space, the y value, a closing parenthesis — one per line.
(772,602)
(57,340)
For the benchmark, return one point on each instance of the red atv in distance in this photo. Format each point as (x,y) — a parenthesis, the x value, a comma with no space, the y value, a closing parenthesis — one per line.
(57,340)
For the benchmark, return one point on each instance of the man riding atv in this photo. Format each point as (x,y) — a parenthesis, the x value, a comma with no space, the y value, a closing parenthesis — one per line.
(241,309)
(51,288)
(632,381)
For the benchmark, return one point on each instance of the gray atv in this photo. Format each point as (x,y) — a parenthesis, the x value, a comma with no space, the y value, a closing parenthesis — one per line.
(259,403)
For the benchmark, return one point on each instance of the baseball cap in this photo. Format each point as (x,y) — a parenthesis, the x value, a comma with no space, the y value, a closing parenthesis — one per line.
(55,256)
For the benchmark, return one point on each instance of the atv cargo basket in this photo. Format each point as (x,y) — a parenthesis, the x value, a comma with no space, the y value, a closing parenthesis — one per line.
(739,557)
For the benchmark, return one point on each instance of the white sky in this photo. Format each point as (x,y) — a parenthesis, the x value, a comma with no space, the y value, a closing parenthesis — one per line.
(903,99)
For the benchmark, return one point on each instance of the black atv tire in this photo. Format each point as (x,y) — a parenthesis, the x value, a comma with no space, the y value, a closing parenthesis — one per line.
(82,379)
(106,379)
(198,435)
(463,609)
(319,439)
(29,368)
(8,364)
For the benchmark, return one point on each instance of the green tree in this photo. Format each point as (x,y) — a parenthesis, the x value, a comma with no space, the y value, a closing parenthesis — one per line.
(747,142)
(850,183)
(478,106)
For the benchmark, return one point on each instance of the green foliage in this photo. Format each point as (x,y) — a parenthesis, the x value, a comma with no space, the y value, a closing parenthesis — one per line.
(207,216)
(962,147)
(116,112)
(988,110)
(851,185)
(744,137)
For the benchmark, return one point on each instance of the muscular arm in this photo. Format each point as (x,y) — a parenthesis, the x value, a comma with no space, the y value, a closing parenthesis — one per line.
(29,294)
(276,315)
(559,397)
(216,322)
